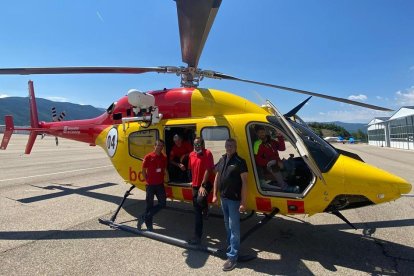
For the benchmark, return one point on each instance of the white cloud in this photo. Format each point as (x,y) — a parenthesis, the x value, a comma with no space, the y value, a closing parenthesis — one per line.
(405,97)
(354,115)
(359,97)
(379,97)
(3,96)
(57,99)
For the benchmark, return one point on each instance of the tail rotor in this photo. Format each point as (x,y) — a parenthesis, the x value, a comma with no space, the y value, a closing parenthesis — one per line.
(55,118)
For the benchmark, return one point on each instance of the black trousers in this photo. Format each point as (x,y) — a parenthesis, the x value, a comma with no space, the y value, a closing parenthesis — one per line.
(151,210)
(176,174)
(200,203)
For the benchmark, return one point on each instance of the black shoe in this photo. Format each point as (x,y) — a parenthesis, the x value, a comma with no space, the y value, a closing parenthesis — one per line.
(230,264)
(141,220)
(194,240)
(149,227)
(205,214)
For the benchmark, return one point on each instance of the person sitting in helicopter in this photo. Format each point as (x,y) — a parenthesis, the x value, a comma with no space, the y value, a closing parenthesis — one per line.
(179,159)
(267,156)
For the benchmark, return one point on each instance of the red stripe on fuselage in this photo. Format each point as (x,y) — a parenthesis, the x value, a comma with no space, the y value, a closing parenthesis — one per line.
(174,103)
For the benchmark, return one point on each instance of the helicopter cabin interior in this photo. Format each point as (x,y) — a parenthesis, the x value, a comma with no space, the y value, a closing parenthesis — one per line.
(294,171)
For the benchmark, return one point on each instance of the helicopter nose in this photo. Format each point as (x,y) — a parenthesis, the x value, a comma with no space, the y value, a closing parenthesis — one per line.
(374,182)
(404,187)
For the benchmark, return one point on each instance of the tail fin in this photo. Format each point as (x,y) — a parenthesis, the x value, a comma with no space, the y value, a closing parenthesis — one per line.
(34,119)
(7,132)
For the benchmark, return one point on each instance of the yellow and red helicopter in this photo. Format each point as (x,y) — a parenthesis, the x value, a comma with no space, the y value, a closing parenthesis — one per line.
(326,179)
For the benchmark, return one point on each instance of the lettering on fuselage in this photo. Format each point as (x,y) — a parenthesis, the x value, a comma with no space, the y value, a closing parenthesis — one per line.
(71,130)
(134,176)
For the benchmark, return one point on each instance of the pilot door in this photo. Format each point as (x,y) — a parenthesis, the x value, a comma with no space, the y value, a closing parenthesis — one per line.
(278,167)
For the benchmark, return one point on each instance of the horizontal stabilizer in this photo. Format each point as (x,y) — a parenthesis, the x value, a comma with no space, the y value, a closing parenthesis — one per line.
(30,142)
(7,132)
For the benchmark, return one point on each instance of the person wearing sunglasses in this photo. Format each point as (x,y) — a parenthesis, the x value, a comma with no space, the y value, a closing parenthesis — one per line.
(201,164)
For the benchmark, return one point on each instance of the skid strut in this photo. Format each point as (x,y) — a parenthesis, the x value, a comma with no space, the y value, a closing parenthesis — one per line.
(113,218)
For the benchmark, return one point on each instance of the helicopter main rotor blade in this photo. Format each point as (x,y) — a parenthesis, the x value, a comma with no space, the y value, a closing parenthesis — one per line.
(195,18)
(81,70)
(343,100)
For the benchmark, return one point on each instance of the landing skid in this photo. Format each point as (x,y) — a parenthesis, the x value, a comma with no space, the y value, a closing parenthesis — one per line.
(161,238)
(181,243)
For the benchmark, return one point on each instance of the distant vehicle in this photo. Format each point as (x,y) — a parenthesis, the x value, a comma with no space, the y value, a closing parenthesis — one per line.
(331,139)
(340,139)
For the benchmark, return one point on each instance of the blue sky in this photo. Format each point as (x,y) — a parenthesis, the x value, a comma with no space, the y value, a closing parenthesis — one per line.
(362,50)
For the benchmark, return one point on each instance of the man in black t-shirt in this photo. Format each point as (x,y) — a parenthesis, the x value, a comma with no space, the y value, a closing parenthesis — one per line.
(231,181)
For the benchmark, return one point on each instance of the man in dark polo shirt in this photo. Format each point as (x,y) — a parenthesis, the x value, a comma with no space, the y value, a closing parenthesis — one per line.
(231,181)
(201,164)
(153,170)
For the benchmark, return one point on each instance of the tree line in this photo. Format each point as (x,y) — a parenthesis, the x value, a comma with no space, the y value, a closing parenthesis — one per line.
(337,131)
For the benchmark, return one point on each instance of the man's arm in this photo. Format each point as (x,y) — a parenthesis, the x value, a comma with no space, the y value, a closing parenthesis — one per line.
(243,192)
(280,143)
(144,172)
(215,187)
(202,191)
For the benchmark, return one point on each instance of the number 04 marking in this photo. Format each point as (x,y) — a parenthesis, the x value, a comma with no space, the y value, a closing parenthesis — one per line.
(112,141)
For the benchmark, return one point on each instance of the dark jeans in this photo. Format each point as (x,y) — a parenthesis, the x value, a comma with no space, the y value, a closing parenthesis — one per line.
(200,204)
(151,210)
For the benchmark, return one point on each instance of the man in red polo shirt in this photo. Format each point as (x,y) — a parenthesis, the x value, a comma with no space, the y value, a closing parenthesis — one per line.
(153,170)
(201,164)
(179,159)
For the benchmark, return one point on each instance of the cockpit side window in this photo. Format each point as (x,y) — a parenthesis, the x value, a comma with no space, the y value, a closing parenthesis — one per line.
(215,138)
(142,142)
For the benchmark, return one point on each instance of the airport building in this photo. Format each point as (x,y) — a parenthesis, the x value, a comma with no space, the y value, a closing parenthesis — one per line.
(396,131)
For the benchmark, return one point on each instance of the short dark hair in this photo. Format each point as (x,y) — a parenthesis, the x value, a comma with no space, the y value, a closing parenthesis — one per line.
(231,140)
(259,127)
(201,140)
(159,141)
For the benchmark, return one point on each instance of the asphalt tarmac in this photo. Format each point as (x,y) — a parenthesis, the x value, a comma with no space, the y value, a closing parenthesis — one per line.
(51,200)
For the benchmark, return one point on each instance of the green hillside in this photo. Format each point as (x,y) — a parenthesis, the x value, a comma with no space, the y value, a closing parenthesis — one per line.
(19,108)
(333,129)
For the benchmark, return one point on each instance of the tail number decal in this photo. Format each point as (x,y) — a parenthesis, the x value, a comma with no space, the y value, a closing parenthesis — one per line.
(112,141)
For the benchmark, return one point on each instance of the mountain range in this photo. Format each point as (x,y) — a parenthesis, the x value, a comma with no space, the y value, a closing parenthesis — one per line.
(19,108)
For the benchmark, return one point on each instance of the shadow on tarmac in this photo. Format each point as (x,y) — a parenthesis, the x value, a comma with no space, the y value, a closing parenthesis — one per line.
(289,244)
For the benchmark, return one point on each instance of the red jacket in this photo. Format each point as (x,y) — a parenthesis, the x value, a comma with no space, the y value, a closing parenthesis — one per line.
(269,151)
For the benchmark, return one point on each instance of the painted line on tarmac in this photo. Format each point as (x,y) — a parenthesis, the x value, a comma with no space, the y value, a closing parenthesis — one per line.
(47,174)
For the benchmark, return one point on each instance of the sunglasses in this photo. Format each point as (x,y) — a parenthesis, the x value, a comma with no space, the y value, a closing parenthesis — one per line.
(197,145)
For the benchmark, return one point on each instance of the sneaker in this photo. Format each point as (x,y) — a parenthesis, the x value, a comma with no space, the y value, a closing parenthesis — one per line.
(230,264)
(141,220)
(194,240)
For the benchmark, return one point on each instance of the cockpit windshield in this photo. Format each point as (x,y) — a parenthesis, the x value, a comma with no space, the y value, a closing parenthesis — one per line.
(322,152)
